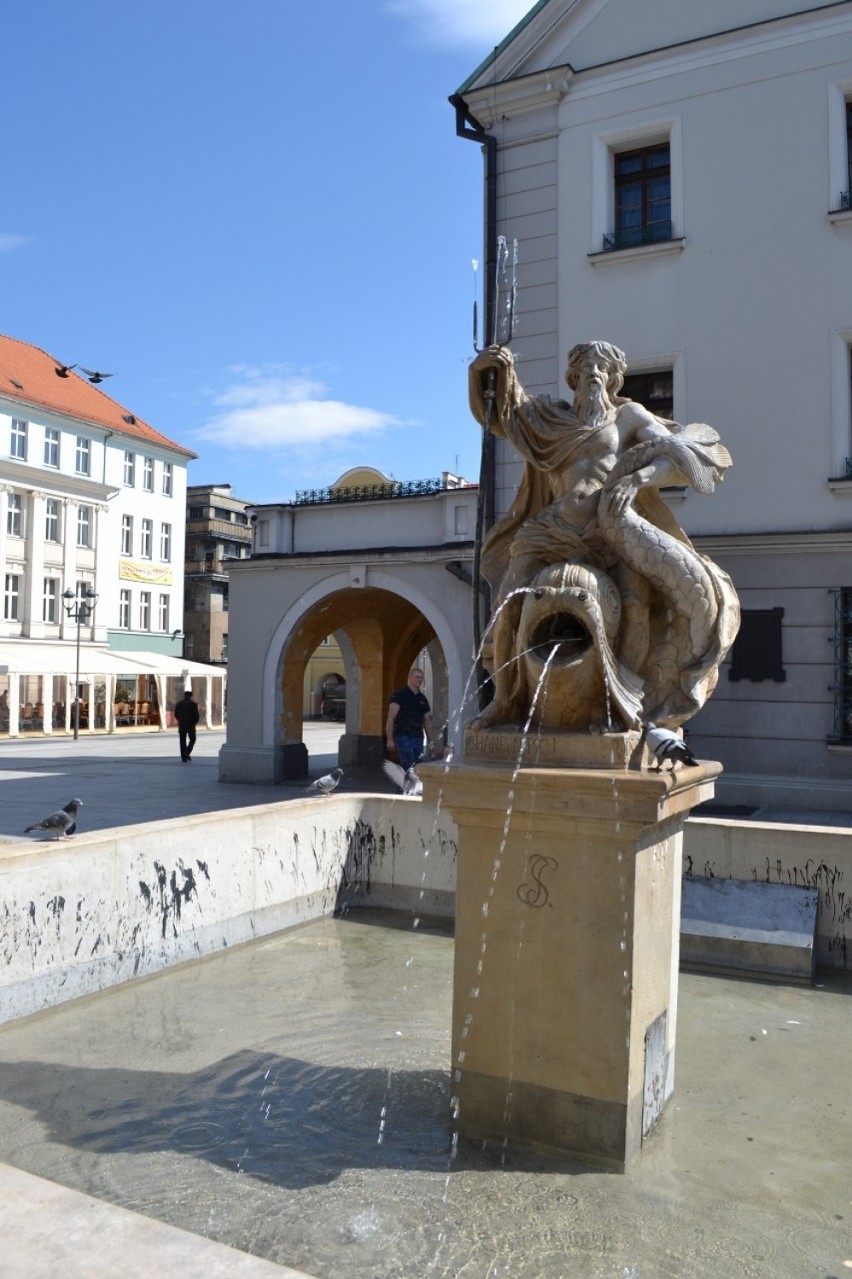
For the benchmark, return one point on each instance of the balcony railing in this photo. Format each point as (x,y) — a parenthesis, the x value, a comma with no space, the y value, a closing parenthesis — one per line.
(196,568)
(220,528)
(370,492)
(631,237)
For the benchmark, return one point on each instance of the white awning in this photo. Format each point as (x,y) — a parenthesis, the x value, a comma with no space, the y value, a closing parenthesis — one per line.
(37,657)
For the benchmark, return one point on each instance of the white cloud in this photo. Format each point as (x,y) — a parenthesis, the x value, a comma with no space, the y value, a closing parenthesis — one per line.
(479,23)
(9,241)
(270,409)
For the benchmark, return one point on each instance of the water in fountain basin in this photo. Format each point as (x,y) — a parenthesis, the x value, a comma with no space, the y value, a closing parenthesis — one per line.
(238,1097)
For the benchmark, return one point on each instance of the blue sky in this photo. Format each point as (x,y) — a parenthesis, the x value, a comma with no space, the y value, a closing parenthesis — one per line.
(256,215)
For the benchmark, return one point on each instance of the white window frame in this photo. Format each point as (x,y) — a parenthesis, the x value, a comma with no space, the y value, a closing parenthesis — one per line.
(144,610)
(49,598)
(146,549)
(84,527)
(841,400)
(164,612)
(148,474)
(83,455)
(129,469)
(167,479)
(124,606)
(51,447)
(18,439)
(52,520)
(12,597)
(127,534)
(605,146)
(15,516)
(166,543)
(839,93)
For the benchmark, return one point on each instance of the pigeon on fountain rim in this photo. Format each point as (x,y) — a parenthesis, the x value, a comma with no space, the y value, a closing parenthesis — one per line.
(326,784)
(666,745)
(62,823)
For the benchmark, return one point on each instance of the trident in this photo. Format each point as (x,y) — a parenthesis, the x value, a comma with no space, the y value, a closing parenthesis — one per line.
(490,397)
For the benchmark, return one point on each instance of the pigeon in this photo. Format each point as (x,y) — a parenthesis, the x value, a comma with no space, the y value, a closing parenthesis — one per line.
(405,778)
(325,785)
(94,376)
(61,823)
(666,745)
(62,370)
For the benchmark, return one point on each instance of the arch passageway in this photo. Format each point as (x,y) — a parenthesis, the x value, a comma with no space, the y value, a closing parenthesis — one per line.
(381,635)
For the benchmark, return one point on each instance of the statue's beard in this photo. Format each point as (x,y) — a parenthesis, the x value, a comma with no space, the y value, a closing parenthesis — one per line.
(592,404)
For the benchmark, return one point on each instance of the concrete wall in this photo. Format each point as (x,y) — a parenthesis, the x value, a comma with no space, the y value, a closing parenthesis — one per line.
(810,856)
(79,916)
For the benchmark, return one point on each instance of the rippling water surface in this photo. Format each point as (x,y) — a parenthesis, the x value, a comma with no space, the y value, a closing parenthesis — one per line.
(291,1098)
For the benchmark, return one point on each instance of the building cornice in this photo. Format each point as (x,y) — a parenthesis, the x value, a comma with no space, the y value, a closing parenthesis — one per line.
(540,90)
(374,554)
(54,483)
(782,543)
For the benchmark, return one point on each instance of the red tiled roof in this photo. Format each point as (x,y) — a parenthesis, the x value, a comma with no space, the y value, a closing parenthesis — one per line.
(28,375)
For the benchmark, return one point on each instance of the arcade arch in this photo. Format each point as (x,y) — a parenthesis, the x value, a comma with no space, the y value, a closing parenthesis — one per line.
(381,630)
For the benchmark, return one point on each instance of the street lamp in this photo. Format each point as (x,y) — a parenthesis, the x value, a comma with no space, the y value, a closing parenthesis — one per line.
(79,608)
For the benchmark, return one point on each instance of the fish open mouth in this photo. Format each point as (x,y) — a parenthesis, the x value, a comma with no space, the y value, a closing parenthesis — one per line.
(564,631)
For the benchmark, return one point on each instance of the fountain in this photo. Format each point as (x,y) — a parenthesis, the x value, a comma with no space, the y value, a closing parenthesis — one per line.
(606,619)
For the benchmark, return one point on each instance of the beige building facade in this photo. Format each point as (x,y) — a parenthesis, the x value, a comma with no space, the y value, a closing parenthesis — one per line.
(675,179)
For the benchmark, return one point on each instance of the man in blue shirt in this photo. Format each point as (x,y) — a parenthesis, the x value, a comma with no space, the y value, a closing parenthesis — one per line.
(409,716)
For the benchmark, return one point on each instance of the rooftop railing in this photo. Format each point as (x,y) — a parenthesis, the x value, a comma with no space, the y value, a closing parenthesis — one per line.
(371,492)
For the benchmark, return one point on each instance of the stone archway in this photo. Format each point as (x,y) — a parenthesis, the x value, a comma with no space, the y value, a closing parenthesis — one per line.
(381,633)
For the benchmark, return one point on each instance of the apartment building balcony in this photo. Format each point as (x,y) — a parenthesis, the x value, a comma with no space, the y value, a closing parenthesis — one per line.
(219,528)
(207,568)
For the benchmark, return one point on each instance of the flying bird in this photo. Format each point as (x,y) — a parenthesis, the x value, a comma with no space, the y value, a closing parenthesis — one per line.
(61,823)
(94,376)
(325,785)
(62,370)
(405,778)
(666,745)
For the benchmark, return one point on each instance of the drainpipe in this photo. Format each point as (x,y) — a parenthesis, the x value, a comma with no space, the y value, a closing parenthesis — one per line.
(467,126)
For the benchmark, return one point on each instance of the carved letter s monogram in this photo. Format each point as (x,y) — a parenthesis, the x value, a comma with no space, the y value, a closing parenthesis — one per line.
(535,894)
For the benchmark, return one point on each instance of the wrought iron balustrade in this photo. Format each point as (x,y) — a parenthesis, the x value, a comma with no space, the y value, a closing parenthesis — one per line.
(632,237)
(369,492)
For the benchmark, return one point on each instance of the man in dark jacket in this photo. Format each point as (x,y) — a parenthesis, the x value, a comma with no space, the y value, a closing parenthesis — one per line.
(409,716)
(186,714)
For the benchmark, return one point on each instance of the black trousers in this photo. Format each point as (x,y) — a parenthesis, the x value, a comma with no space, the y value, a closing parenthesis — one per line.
(187,740)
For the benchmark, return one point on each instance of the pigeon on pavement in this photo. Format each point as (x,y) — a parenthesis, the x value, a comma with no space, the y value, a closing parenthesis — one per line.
(666,745)
(405,778)
(325,785)
(61,823)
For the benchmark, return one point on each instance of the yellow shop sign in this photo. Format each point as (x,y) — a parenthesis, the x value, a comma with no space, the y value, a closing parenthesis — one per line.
(156,574)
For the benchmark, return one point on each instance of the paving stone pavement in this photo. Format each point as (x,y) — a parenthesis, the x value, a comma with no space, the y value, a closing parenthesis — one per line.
(130,777)
(127,778)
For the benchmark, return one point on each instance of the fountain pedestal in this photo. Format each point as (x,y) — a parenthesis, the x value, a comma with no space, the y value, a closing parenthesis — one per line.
(566,951)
